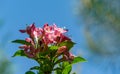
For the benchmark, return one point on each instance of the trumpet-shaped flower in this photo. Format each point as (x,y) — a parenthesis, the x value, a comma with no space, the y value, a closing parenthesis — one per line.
(44,36)
(32,31)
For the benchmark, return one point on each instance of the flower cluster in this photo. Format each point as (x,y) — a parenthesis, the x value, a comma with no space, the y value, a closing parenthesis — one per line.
(42,38)
(47,44)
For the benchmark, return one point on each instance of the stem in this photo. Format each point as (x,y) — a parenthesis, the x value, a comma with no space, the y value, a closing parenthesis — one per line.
(58,61)
(47,72)
(42,71)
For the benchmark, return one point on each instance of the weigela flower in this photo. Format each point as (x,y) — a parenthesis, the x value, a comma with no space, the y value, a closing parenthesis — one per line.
(32,31)
(40,38)
(52,33)
(30,50)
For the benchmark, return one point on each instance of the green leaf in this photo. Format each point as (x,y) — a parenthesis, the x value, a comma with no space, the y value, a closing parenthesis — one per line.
(35,68)
(67,69)
(46,67)
(78,59)
(53,47)
(21,42)
(58,68)
(29,72)
(69,44)
(19,53)
(40,72)
(44,53)
(64,64)
(58,71)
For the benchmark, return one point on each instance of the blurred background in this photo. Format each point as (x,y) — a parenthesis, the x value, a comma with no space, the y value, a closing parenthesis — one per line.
(93,24)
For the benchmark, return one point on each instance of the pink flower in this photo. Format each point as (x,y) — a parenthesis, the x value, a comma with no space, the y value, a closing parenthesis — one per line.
(59,33)
(52,33)
(30,50)
(47,29)
(44,36)
(59,30)
(29,29)
(32,31)
(24,47)
(48,34)
(30,41)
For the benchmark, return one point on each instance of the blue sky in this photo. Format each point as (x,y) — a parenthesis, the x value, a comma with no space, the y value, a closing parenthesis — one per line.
(15,14)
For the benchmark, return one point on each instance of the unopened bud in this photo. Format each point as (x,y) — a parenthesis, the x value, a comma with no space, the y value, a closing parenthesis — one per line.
(62,49)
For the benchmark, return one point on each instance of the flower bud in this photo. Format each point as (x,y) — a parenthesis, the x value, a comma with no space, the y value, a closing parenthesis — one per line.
(22,31)
(68,56)
(62,49)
